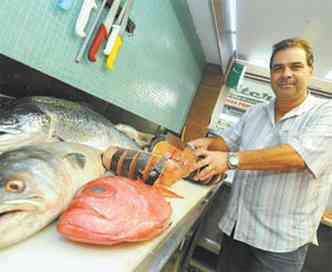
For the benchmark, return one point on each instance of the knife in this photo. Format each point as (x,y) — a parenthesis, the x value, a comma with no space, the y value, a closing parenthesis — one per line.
(103,31)
(115,40)
(83,17)
(130,25)
(86,40)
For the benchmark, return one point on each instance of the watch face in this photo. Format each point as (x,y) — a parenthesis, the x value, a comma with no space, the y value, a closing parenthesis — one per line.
(233,160)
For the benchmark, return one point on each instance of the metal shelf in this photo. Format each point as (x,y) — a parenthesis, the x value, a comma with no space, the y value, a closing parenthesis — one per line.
(203,260)
(201,266)
(209,245)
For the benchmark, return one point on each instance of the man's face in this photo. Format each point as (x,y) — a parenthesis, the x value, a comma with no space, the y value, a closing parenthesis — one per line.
(290,73)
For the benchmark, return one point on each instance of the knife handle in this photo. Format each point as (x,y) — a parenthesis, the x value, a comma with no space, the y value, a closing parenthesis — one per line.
(97,41)
(83,18)
(112,57)
(112,39)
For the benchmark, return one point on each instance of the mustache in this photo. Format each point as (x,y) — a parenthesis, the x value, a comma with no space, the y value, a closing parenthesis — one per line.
(286,82)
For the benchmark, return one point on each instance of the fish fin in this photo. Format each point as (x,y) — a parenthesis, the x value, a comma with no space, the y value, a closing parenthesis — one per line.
(76,159)
(166,192)
(141,138)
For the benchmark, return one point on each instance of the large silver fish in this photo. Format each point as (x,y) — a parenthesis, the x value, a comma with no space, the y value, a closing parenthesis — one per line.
(37,182)
(42,119)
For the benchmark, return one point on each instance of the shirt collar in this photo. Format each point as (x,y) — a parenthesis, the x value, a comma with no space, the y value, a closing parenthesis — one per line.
(308,103)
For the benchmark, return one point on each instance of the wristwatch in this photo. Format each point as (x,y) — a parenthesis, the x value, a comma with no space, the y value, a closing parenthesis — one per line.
(233,161)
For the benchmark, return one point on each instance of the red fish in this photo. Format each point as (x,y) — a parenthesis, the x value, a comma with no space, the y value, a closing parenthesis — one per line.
(113,210)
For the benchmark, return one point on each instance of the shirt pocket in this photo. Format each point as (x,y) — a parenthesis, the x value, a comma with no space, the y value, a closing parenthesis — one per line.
(287,130)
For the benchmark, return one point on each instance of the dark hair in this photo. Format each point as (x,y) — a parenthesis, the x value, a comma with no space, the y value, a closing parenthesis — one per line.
(291,43)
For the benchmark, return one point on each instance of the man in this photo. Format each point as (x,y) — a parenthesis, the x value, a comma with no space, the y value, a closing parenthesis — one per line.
(282,153)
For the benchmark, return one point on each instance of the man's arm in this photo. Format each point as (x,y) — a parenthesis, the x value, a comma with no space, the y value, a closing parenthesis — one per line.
(277,158)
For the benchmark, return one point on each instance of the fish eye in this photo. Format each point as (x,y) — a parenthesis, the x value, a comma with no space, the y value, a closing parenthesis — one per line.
(15,186)
(97,189)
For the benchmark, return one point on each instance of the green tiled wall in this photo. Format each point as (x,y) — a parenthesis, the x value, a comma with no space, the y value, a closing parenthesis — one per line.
(157,71)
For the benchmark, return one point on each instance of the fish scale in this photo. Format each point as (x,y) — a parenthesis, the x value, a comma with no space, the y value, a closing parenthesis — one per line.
(45,119)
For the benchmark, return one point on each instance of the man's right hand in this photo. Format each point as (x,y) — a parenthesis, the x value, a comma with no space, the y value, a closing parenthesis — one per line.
(211,163)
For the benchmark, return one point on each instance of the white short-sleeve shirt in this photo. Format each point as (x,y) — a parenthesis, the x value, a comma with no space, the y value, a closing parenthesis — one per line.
(273,210)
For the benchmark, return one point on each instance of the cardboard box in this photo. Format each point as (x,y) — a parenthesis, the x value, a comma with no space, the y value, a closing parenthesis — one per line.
(203,104)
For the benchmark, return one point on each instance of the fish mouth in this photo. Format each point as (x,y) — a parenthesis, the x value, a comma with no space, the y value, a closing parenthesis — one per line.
(19,219)
(70,227)
(72,218)
(4,216)
(15,225)
(15,208)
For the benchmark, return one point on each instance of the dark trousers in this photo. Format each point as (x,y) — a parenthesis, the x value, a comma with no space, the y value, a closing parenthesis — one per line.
(236,256)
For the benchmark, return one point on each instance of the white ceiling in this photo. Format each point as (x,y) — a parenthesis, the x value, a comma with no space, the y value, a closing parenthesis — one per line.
(260,24)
